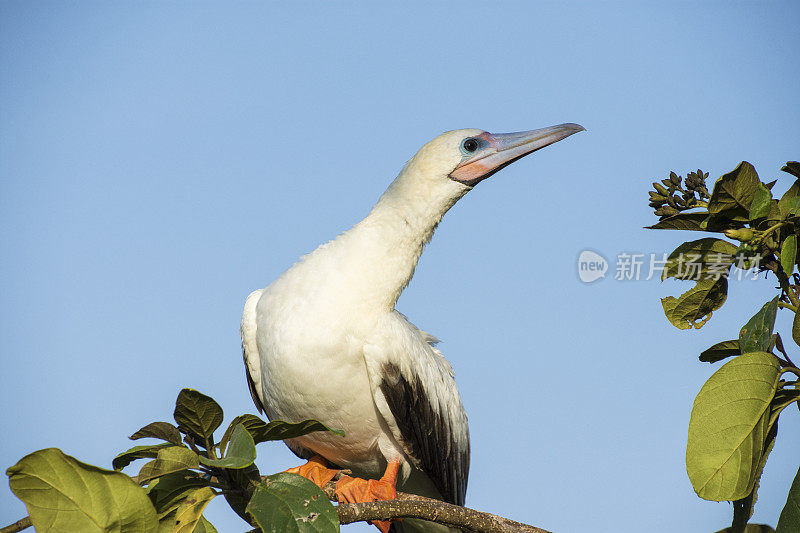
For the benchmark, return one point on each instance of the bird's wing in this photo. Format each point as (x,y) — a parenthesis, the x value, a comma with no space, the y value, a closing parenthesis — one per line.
(415,392)
(252,360)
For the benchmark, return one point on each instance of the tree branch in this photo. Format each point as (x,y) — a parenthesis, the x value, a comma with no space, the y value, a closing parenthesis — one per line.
(413,506)
(19,525)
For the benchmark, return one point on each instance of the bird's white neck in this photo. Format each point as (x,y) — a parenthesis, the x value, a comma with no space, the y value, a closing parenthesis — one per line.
(375,260)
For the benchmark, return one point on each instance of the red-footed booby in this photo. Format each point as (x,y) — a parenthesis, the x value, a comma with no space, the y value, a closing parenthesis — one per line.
(324,340)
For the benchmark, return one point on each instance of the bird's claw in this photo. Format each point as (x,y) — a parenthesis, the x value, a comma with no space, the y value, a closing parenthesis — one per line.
(315,470)
(357,490)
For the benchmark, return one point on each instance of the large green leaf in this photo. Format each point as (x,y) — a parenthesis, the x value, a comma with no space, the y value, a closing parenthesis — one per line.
(275,430)
(291,503)
(204,526)
(728,427)
(191,509)
(280,430)
(734,192)
(796,328)
(166,522)
(783,398)
(694,307)
(762,201)
(720,351)
(793,168)
(789,521)
(789,254)
(137,452)
(248,478)
(743,509)
(167,491)
(251,423)
(683,221)
(708,257)
(198,415)
(756,335)
(788,203)
(64,494)
(241,451)
(159,430)
(168,460)
(791,208)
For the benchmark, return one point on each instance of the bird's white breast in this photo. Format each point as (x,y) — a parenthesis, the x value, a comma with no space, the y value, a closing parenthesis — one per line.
(312,365)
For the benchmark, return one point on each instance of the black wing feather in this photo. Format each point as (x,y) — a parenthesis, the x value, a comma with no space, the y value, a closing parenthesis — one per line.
(251,385)
(427,433)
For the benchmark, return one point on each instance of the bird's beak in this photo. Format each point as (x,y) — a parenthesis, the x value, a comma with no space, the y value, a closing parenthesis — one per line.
(505,148)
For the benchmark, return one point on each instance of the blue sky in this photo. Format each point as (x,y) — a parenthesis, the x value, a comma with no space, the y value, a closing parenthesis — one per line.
(158,161)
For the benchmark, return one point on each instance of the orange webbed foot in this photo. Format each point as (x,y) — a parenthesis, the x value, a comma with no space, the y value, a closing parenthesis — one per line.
(357,490)
(316,470)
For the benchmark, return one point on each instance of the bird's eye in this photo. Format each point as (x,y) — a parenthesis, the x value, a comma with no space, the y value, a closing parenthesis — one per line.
(470,145)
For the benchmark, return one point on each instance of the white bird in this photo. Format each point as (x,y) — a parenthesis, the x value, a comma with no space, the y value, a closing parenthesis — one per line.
(324,340)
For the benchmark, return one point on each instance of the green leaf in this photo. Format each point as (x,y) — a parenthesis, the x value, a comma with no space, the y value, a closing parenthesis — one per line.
(137,452)
(789,201)
(169,460)
(743,509)
(248,478)
(280,430)
(166,522)
(793,168)
(777,343)
(796,328)
(204,526)
(783,398)
(791,208)
(734,192)
(773,216)
(789,254)
(729,425)
(239,454)
(159,430)
(695,307)
(198,415)
(708,257)
(291,503)
(277,429)
(762,200)
(191,509)
(720,351)
(756,335)
(251,423)
(682,221)
(789,521)
(64,494)
(167,491)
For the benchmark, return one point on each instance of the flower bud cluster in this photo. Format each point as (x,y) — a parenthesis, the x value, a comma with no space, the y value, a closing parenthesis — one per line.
(670,198)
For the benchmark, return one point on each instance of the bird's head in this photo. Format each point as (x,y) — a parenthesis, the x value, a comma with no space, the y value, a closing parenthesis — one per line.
(469,156)
(450,165)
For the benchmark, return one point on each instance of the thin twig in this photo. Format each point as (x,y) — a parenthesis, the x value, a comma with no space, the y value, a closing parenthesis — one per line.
(19,525)
(783,279)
